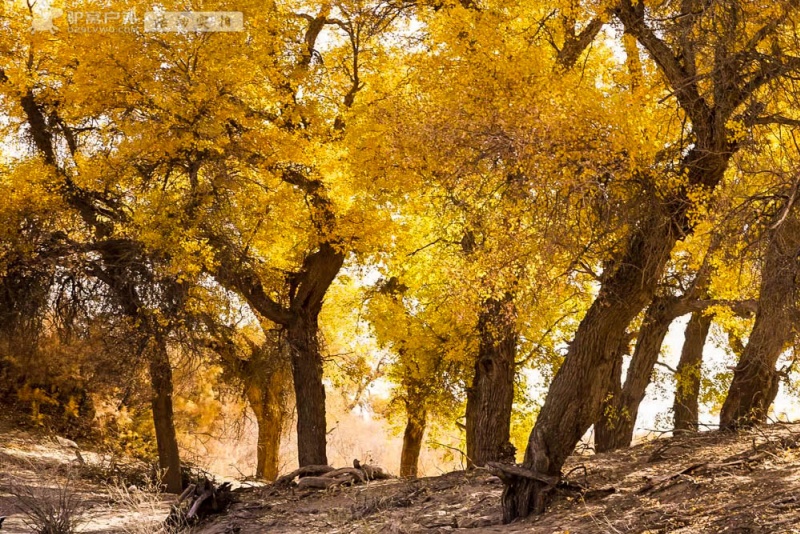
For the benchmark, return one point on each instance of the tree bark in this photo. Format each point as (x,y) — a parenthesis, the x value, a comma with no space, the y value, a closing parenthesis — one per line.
(614,429)
(266,394)
(491,395)
(412,439)
(309,390)
(168,456)
(755,379)
(604,426)
(687,379)
(307,291)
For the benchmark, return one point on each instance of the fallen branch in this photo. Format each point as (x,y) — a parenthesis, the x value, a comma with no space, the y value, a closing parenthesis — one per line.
(694,468)
(357,474)
(325,476)
(372,472)
(507,472)
(308,470)
(321,482)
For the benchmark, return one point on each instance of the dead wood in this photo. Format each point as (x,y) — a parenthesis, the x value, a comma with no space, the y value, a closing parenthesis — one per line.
(323,482)
(372,472)
(357,474)
(694,468)
(325,476)
(198,501)
(308,470)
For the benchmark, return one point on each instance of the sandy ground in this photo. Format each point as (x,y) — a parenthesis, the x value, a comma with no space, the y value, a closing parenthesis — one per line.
(40,470)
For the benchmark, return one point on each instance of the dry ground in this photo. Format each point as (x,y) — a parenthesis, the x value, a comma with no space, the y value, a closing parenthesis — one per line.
(746,483)
(709,482)
(38,468)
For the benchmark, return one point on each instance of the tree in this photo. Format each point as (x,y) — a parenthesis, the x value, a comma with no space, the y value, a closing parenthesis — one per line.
(428,342)
(123,269)
(755,380)
(491,396)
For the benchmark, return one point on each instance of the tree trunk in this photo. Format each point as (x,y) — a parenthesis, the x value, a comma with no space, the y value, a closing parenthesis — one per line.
(615,428)
(687,379)
(602,427)
(491,396)
(266,394)
(309,390)
(168,457)
(300,323)
(575,398)
(755,379)
(306,294)
(269,446)
(412,439)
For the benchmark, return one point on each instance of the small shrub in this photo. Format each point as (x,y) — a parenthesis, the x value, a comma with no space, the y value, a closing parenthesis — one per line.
(48,510)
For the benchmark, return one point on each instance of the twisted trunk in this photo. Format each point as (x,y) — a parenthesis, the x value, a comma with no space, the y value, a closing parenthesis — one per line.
(755,380)
(491,395)
(687,379)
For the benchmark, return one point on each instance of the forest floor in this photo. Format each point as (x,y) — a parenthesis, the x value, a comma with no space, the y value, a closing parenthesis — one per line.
(708,482)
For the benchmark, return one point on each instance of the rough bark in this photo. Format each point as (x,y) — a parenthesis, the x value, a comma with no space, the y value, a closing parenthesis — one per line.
(755,379)
(412,440)
(687,379)
(309,390)
(614,429)
(491,395)
(603,426)
(168,455)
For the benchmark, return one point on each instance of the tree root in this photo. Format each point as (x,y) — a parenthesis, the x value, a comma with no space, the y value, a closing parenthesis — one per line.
(198,501)
(527,491)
